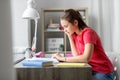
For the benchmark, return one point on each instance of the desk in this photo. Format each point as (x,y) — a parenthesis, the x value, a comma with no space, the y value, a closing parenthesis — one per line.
(53,73)
(18,57)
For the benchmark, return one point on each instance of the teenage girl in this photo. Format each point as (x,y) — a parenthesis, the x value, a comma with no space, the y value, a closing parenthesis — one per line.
(85,45)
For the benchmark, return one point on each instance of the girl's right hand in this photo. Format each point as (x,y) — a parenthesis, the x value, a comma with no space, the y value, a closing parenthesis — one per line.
(68,34)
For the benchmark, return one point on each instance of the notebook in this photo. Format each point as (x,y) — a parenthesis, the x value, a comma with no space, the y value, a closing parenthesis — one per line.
(64,64)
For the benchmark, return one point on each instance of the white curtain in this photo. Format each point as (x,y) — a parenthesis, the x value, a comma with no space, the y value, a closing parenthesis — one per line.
(116,26)
(106,21)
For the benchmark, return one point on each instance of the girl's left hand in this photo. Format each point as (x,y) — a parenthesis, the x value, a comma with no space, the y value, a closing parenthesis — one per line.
(57,56)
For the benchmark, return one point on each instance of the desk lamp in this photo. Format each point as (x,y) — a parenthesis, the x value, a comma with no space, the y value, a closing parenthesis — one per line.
(31,14)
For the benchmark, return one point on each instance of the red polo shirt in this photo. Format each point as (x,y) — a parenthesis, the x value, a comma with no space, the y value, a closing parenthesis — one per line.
(99,61)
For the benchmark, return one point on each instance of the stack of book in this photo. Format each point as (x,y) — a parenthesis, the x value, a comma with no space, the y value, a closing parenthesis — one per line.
(38,62)
(53,27)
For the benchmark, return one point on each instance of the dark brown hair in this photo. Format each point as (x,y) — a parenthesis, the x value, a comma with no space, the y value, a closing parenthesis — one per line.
(71,15)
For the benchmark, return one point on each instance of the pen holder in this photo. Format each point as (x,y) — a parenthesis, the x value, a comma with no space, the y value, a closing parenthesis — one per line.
(28,53)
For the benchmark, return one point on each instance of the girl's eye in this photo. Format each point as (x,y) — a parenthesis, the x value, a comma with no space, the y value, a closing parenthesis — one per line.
(66,26)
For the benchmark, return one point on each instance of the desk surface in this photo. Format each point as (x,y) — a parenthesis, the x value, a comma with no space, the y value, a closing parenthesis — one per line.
(53,73)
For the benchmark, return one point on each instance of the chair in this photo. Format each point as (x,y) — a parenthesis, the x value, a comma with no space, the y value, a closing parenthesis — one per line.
(115,69)
(115,59)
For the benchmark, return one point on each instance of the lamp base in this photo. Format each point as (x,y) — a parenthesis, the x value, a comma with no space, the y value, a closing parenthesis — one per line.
(29,53)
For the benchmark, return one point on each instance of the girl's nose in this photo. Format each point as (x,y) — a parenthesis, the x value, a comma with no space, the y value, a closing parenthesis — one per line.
(65,30)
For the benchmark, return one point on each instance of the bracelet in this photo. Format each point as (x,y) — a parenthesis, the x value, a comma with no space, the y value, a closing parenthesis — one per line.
(64,59)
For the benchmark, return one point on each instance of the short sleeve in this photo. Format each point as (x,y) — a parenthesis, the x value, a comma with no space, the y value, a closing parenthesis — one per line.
(89,36)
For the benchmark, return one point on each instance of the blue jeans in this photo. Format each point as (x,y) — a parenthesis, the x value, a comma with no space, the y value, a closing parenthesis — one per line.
(101,76)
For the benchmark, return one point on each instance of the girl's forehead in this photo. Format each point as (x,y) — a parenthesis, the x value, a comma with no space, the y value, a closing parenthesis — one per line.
(64,21)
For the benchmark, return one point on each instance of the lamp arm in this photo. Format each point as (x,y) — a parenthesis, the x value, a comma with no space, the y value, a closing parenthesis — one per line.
(35,36)
(36,21)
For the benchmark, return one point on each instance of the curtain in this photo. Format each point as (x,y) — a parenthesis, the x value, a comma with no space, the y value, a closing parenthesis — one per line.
(116,26)
(106,22)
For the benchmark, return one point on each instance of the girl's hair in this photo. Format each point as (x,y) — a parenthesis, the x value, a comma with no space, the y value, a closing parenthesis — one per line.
(72,15)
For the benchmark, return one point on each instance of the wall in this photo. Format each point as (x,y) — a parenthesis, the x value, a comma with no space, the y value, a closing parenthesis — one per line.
(20,26)
(6,65)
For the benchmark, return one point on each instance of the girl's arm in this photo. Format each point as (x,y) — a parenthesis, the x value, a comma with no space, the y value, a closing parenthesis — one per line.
(72,45)
(85,57)
(89,47)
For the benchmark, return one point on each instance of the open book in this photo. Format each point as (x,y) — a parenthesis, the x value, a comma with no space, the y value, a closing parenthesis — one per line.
(39,62)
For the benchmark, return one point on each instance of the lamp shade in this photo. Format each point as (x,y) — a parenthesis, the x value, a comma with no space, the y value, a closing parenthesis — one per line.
(30,13)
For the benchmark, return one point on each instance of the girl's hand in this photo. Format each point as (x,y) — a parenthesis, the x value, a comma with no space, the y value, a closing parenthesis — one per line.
(68,34)
(57,56)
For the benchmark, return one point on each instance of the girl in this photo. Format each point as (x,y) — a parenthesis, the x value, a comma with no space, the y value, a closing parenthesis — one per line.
(86,46)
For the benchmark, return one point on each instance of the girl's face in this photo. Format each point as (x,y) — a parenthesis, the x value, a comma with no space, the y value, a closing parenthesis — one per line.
(68,27)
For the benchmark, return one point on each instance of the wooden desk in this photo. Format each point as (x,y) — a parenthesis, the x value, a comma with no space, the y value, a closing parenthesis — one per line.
(53,73)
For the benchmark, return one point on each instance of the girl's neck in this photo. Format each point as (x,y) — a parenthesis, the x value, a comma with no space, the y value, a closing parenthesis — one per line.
(79,31)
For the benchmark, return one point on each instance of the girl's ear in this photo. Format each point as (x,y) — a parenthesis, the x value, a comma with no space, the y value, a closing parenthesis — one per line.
(75,22)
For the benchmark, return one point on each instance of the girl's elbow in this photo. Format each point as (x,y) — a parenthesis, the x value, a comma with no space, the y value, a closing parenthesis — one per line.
(83,60)
(88,59)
